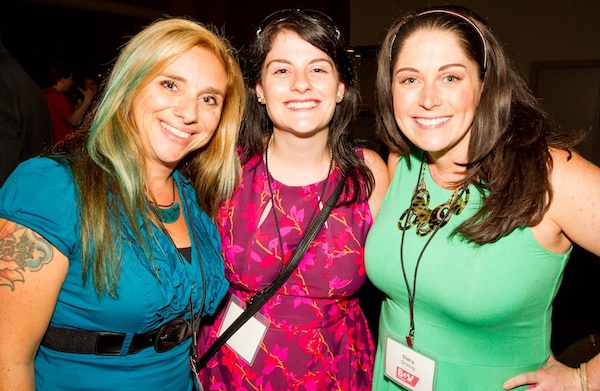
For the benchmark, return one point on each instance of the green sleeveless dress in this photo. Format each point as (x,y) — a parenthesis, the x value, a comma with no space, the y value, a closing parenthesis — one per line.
(485,312)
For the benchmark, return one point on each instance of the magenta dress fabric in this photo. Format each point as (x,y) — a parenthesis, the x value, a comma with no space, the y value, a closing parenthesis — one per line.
(318,338)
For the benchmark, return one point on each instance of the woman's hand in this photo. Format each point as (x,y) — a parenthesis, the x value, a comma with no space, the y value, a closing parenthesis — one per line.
(554,376)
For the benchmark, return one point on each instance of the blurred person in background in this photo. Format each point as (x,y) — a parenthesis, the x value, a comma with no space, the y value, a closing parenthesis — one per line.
(25,123)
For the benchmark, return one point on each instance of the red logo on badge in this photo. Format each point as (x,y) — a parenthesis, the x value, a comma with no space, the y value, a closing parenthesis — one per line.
(406,377)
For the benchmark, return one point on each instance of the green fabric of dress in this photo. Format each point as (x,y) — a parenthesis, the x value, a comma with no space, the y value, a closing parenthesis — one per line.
(485,312)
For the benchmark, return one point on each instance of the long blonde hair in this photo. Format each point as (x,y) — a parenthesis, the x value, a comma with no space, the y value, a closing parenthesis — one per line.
(108,160)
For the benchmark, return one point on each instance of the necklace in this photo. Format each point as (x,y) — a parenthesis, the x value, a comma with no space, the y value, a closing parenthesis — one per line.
(268,157)
(427,221)
(168,213)
(312,217)
(419,214)
(194,321)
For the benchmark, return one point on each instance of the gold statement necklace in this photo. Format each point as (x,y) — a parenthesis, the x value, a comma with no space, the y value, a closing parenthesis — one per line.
(425,219)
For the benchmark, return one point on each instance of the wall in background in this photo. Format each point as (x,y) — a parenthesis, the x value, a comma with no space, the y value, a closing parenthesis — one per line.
(532,30)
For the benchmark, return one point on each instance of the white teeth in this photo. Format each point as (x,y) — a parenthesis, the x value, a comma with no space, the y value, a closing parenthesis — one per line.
(301,105)
(175,131)
(432,121)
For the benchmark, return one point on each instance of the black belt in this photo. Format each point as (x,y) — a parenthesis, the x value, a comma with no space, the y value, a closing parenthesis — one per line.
(105,343)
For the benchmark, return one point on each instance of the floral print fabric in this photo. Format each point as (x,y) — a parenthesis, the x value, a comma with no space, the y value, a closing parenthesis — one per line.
(318,337)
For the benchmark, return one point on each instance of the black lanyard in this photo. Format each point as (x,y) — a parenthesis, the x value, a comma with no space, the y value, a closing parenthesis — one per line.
(310,221)
(312,217)
(411,292)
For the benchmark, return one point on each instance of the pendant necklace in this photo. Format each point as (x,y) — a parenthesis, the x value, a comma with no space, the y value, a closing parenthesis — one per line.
(168,213)
(194,322)
(427,221)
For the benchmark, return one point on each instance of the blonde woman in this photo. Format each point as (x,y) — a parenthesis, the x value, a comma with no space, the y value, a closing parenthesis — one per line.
(110,256)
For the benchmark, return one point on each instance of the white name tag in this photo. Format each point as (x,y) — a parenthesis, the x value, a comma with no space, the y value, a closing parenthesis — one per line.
(408,367)
(247,339)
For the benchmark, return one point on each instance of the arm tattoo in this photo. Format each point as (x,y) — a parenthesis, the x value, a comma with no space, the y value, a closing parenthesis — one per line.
(20,249)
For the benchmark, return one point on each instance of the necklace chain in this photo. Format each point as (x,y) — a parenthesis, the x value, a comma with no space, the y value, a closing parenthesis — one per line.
(425,219)
(172,202)
(267,158)
(325,174)
(168,213)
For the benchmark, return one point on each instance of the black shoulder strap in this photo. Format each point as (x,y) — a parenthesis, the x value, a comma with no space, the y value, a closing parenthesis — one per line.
(258,300)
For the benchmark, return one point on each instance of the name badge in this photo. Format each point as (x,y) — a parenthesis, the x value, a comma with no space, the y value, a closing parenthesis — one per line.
(246,341)
(408,367)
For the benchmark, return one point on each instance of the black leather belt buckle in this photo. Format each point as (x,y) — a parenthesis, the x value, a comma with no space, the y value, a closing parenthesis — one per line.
(108,344)
(172,334)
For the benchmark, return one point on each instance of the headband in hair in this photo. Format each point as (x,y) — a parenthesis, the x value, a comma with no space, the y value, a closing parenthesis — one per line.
(287,14)
(459,15)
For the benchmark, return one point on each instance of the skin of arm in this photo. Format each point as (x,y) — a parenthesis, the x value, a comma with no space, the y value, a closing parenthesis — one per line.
(382,181)
(573,217)
(32,272)
(574,209)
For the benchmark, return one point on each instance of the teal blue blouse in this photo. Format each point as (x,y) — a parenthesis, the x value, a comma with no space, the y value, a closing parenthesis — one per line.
(41,195)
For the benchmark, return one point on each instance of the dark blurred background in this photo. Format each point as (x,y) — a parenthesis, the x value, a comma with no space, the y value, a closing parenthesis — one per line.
(88,33)
(555,44)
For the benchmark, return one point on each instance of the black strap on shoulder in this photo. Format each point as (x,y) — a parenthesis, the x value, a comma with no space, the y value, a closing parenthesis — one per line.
(258,300)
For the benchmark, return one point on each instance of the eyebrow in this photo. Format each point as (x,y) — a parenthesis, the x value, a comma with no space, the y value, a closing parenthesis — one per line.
(284,61)
(214,91)
(210,90)
(442,68)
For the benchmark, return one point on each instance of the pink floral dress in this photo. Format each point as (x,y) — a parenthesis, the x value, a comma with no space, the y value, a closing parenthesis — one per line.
(318,337)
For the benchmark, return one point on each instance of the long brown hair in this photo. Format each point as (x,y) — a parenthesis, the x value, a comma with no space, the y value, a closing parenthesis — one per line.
(509,157)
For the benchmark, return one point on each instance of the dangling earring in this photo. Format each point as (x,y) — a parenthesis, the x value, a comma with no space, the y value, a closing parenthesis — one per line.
(339,98)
